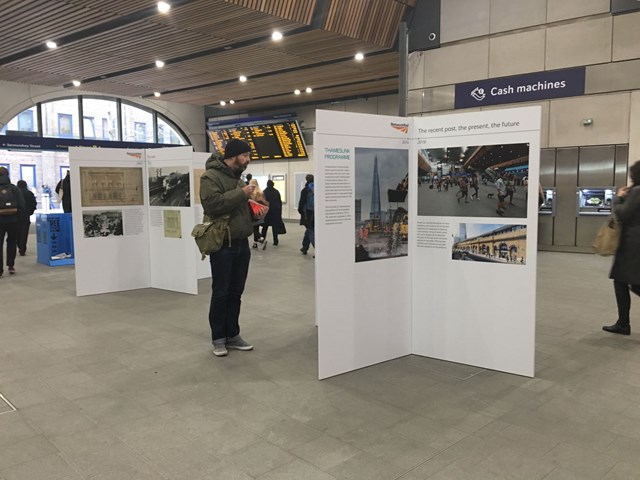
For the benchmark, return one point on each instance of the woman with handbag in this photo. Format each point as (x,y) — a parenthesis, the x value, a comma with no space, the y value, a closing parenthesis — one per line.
(258,196)
(273,218)
(626,266)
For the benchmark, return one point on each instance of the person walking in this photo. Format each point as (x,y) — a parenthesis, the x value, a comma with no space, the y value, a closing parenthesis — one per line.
(502,193)
(625,271)
(24,220)
(222,193)
(258,196)
(63,189)
(11,207)
(306,208)
(273,218)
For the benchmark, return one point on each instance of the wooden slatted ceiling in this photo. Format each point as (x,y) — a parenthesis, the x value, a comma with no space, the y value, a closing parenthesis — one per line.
(373,21)
(26,76)
(299,11)
(119,7)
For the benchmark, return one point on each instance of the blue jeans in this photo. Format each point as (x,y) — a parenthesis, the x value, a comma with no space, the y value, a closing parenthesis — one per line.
(308,239)
(229,269)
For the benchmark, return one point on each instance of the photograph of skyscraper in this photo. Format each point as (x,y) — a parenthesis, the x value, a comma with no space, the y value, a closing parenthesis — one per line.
(381,203)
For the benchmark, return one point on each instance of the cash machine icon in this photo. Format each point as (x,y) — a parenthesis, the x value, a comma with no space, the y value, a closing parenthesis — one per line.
(478,94)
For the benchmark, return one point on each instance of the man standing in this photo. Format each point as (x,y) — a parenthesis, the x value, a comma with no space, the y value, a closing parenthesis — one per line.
(11,205)
(307,214)
(24,220)
(223,192)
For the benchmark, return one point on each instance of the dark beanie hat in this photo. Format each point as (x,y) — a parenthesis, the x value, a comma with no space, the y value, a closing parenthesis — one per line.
(235,147)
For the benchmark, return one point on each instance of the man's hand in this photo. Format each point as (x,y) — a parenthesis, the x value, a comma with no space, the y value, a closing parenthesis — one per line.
(248,190)
(622,192)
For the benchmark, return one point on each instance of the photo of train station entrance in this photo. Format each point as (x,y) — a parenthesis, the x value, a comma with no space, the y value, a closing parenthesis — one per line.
(476,242)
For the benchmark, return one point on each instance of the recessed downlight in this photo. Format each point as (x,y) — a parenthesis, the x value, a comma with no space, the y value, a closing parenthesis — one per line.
(223,103)
(51,45)
(232,102)
(243,78)
(164,7)
(359,56)
(159,63)
(308,90)
(276,36)
(296,91)
(76,83)
(156,94)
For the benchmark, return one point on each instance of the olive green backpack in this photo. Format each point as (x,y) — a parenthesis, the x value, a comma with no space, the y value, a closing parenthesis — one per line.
(210,235)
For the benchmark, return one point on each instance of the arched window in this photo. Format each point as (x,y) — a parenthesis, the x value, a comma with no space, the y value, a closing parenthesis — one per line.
(95,118)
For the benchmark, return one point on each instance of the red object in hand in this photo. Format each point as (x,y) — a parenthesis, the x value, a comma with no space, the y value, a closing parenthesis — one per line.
(258,210)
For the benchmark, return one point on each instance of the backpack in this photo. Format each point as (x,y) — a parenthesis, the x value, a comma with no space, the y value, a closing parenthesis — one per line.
(308,206)
(8,201)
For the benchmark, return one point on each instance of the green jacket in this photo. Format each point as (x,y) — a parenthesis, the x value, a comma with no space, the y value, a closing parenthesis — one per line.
(221,194)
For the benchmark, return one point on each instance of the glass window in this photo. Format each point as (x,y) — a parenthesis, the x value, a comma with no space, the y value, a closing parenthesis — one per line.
(60,118)
(89,128)
(137,124)
(25,121)
(169,134)
(105,110)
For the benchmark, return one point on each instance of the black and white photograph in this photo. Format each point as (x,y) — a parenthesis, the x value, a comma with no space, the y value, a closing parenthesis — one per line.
(106,223)
(491,243)
(381,210)
(169,186)
(474,181)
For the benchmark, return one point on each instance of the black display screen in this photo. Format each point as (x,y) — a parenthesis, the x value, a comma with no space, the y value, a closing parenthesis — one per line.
(269,141)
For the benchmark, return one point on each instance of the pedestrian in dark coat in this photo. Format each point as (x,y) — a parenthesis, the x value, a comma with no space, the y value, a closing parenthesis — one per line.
(24,220)
(65,186)
(273,218)
(9,216)
(307,218)
(626,266)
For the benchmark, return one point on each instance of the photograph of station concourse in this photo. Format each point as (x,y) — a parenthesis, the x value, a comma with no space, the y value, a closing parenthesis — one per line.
(123,386)
(462,181)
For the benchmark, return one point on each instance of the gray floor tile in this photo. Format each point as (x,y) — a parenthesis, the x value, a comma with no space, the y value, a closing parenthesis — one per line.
(325,452)
(259,458)
(296,470)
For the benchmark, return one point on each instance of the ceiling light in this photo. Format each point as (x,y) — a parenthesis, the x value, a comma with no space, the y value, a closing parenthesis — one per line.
(276,36)
(51,44)
(164,7)
(76,83)
(159,63)
(308,90)
(359,56)
(232,102)
(296,91)
(243,78)
(223,103)
(156,94)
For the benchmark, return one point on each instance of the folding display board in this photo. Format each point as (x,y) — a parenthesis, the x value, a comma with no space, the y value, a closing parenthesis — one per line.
(110,220)
(171,219)
(423,226)
(203,267)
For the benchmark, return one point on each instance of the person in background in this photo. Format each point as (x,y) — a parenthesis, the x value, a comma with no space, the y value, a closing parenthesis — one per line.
(273,218)
(306,218)
(248,178)
(24,220)
(47,191)
(625,272)
(64,188)
(222,192)
(502,194)
(11,206)
(257,196)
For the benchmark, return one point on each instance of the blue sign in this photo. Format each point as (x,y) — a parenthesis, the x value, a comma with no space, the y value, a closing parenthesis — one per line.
(19,142)
(521,88)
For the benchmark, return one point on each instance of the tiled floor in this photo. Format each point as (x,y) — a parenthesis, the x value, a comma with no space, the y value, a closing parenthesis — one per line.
(124,386)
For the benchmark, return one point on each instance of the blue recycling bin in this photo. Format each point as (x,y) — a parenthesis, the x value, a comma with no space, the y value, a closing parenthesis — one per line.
(54,234)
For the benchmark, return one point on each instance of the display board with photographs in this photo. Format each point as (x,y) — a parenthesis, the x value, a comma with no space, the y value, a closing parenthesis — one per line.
(169,186)
(490,243)
(381,203)
(111,186)
(107,223)
(197,173)
(474,181)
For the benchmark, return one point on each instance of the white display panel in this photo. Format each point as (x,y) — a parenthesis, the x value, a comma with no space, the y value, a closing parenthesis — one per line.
(474,270)
(363,307)
(171,219)
(203,267)
(110,223)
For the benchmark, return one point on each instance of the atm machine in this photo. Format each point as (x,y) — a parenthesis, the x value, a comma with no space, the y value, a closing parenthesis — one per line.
(549,205)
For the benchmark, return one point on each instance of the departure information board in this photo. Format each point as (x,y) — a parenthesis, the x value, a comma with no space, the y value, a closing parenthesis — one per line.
(268,141)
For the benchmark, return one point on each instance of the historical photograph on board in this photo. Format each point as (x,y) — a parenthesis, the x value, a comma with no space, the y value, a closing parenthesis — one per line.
(474,181)
(381,209)
(102,224)
(169,186)
(493,243)
(111,186)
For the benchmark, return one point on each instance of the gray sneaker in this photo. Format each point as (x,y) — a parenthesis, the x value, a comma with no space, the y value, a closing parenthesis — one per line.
(238,343)
(220,350)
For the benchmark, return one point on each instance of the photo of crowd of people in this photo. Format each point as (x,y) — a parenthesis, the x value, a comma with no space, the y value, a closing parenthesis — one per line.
(169,186)
(475,181)
(494,243)
(102,224)
(381,209)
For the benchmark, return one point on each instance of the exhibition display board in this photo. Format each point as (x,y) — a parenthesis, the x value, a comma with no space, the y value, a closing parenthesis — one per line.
(203,267)
(132,219)
(423,226)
